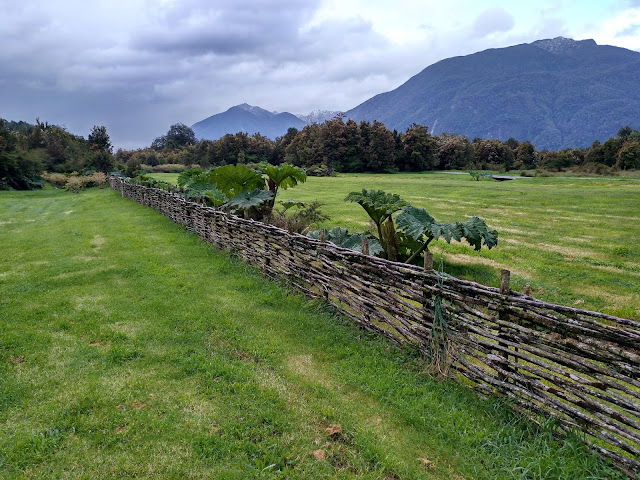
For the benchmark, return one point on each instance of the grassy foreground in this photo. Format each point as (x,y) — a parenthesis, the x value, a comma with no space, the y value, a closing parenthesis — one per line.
(130,348)
(574,240)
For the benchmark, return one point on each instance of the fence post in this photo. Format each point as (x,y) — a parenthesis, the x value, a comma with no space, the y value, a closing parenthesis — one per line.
(365,245)
(505,278)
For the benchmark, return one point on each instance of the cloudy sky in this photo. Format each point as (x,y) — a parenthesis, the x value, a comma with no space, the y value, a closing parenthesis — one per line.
(138,66)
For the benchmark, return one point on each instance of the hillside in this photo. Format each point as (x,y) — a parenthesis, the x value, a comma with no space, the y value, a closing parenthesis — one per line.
(557,93)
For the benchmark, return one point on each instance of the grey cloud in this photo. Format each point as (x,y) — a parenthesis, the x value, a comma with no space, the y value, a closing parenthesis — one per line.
(198,28)
(492,20)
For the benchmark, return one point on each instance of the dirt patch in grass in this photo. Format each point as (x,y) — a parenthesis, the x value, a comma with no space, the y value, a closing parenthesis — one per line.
(305,365)
(97,242)
(568,251)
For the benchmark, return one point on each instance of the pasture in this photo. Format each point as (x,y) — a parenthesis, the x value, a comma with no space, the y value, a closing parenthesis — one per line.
(573,240)
(130,348)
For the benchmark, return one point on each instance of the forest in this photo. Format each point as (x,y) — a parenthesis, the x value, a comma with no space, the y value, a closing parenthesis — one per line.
(335,146)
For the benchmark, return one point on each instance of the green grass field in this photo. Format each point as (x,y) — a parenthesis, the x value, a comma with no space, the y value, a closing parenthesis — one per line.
(130,348)
(575,241)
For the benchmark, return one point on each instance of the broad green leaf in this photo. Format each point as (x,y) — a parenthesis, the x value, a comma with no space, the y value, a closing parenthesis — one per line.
(235,179)
(287,204)
(414,221)
(285,175)
(189,176)
(247,200)
(215,196)
(418,225)
(378,204)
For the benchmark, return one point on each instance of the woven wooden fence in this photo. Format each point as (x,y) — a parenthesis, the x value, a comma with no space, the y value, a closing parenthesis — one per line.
(579,367)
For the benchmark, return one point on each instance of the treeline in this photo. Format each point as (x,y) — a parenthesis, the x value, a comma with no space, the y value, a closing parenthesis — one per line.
(26,151)
(351,147)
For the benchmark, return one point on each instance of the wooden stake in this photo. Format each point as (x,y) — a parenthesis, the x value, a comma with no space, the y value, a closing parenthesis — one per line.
(428,261)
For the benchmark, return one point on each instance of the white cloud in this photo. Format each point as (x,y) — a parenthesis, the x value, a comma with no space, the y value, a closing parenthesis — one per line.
(492,20)
(623,30)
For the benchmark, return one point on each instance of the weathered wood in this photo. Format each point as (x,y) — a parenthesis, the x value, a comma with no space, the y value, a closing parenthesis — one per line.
(580,367)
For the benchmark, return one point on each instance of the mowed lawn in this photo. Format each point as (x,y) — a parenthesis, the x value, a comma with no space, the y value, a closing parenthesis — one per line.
(131,348)
(573,240)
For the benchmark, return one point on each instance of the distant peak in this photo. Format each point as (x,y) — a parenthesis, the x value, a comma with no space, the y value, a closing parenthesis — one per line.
(245,106)
(560,45)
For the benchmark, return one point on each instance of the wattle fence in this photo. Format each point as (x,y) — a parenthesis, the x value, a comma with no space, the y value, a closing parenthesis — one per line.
(579,367)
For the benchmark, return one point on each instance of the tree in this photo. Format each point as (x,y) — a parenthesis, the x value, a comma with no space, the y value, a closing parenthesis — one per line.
(526,156)
(99,140)
(178,136)
(624,132)
(455,152)
(629,155)
(419,153)
(382,149)
(101,148)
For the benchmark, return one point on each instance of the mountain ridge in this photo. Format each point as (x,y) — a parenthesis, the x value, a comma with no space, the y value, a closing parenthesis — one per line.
(557,93)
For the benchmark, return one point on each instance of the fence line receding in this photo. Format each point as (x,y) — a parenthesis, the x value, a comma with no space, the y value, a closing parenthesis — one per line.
(579,367)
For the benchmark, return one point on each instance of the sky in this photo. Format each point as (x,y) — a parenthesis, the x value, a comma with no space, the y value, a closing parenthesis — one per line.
(139,66)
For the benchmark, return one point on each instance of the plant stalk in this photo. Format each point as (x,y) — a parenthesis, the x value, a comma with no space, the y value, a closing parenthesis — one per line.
(420,250)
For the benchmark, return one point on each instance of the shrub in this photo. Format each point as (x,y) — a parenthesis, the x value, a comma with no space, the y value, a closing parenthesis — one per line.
(58,180)
(320,171)
(170,168)
(300,221)
(77,183)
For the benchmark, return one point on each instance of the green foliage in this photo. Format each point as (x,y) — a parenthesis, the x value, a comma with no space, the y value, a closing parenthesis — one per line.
(287,204)
(305,216)
(19,170)
(234,179)
(342,238)
(99,140)
(197,183)
(178,136)
(283,176)
(378,204)
(248,200)
(418,225)
(479,175)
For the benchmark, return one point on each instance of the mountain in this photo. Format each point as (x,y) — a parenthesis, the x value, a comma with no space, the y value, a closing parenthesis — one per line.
(318,116)
(556,93)
(246,118)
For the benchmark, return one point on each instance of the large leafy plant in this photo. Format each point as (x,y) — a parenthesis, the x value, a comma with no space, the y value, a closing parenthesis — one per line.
(419,226)
(197,183)
(250,201)
(283,176)
(380,206)
(235,179)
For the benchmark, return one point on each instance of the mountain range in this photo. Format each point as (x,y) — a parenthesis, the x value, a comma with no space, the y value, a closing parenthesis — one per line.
(251,119)
(557,93)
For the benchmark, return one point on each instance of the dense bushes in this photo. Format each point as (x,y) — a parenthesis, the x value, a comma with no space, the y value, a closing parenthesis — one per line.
(28,150)
(75,183)
(339,146)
